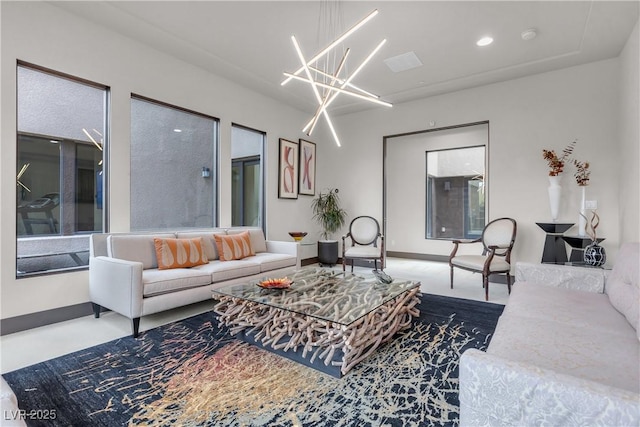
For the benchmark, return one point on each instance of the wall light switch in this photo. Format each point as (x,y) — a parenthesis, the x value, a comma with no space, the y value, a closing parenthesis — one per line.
(591,204)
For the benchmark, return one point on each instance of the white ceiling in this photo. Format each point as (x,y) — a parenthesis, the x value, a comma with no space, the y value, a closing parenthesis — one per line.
(249,42)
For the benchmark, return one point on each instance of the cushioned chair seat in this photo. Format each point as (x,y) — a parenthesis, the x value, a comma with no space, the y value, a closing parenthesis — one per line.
(269,261)
(226,270)
(476,262)
(362,252)
(157,282)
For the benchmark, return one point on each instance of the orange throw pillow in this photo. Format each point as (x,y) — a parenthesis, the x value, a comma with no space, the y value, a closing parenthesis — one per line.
(234,246)
(179,253)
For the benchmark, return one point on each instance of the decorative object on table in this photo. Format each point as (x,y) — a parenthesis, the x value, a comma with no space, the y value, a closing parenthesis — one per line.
(382,276)
(582,179)
(307,184)
(328,213)
(556,167)
(594,254)
(288,169)
(321,71)
(280,283)
(297,235)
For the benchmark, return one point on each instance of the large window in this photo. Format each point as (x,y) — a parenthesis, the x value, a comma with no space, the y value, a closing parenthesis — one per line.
(247,146)
(173,167)
(62,135)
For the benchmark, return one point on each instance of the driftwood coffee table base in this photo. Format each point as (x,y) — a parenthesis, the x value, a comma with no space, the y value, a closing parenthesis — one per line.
(330,347)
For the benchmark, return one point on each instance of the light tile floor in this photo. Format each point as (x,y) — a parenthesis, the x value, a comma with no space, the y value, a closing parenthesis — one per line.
(36,345)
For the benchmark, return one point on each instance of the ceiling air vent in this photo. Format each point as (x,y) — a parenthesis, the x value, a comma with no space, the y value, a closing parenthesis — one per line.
(403,62)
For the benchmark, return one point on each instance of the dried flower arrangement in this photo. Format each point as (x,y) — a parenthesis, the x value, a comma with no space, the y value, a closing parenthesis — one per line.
(582,172)
(556,163)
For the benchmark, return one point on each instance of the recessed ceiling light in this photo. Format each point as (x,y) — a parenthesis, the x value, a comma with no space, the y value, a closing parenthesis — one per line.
(529,34)
(485,41)
(177,130)
(53,141)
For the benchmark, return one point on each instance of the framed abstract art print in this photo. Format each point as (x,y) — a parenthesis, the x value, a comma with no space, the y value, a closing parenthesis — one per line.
(307,170)
(288,169)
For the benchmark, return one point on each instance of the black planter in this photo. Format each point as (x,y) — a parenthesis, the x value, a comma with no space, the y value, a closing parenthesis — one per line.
(328,252)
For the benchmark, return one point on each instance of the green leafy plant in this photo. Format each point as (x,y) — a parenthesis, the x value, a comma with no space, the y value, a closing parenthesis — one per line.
(327,211)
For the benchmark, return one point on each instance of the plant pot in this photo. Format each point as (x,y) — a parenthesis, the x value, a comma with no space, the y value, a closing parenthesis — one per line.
(328,252)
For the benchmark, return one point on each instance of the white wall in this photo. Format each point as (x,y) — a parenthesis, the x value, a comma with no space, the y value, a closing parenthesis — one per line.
(45,35)
(525,115)
(629,153)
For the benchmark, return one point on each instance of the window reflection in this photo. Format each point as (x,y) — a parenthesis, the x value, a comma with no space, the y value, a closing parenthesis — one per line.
(455,193)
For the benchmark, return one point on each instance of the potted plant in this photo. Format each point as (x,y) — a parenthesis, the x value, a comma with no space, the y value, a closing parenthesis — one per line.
(331,217)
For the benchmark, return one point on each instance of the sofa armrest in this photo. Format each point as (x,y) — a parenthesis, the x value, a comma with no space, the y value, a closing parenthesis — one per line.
(499,392)
(117,285)
(288,248)
(562,276)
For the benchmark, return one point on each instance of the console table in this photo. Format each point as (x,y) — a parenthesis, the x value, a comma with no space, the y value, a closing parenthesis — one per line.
(578,243)
(554,248)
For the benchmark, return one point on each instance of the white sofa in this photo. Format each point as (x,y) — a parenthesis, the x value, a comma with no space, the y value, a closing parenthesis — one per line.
(566,350)
(124,275)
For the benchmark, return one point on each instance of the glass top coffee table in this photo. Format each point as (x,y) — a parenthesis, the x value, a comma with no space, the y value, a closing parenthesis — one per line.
(326,319)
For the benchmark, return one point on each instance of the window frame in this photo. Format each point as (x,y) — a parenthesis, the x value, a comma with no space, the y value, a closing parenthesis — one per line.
(215,176)
(73,234)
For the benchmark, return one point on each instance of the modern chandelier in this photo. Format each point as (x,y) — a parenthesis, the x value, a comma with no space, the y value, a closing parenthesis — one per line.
(327,85)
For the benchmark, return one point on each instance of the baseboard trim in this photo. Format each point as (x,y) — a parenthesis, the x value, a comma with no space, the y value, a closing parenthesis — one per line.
(308,261)
(422,257)
(42,318)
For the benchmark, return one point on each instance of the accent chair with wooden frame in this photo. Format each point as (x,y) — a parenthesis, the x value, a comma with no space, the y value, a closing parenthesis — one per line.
(364,232)
(497,239)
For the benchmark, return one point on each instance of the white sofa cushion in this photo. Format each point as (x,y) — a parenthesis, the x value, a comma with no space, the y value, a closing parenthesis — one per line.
(269,261)
(578,334)
(226,270)
(158,282)
(582,309)
(208,242)
(136,247)
(256,235)
(622,285)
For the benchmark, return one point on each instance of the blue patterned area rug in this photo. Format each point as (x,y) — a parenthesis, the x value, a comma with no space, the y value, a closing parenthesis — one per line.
(192,373)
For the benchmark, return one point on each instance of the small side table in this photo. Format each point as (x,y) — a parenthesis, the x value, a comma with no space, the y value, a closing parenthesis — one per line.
(578,243)
(554,248)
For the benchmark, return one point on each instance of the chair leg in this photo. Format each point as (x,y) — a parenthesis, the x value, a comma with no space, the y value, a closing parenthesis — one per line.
(451,276)
(344,263)
(485,284)
(509,283)
(375,264)
(352,261)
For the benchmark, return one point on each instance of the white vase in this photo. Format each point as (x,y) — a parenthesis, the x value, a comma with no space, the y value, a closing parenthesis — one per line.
(555,193)
(582,218)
